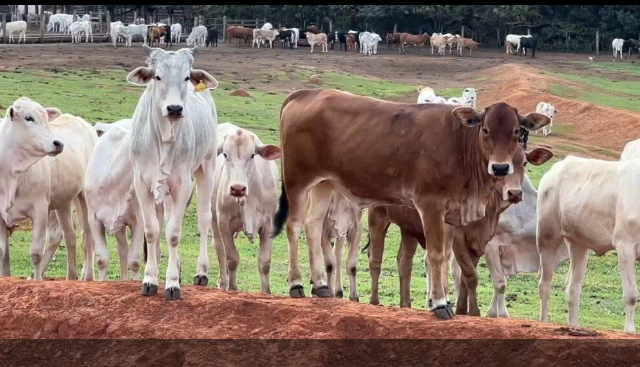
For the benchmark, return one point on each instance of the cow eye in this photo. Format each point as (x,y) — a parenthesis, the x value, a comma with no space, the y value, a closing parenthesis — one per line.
(516,132)
(525,163)
(253,155)
(225,155)
(158,78)
(29,118)
(186,79)
(485,131)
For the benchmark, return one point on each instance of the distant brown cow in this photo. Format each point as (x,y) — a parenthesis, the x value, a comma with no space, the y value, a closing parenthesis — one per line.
(313,29)
(417,40)
(440,159)
(392,39)
(467,43)
(240,33)
(155,34)
(351,44)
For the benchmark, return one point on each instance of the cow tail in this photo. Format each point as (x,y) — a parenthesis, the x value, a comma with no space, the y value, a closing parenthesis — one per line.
(365,249)
(283,212)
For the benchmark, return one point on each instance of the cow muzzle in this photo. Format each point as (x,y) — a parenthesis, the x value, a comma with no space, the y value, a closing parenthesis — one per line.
(500,169)
(174,111)
(238,191)
(58,146)
(514,196)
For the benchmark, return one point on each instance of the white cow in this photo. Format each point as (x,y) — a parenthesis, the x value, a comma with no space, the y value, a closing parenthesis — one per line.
(86,18)
(102,128)
(261,35)
(428,95)
(631,151)
(548,110)
(59,23)
(267,26)
(19,27)
(198,36)
(513,41)
(616,46)
(295,35)
(369,43)
(67,20)
(469,98)
(141,30)
(317,39)
(343,223)
(513,248)
(174,137)
(33,183)
(77,28)
(589,205)
(245,196)
(112,33)
(176,32)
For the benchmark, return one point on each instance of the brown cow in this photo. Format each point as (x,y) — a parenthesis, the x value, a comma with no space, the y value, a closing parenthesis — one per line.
(240,33)
(351,43)
(467,43)
(417,40)
(392,39)
(467,242)
(440,159)
(155,34)
(312,28)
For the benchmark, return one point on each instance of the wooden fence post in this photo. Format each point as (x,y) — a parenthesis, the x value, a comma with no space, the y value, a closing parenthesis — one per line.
(224,28)
(42,22)
(462,34)
(4,28)
(395,28)
(598,42)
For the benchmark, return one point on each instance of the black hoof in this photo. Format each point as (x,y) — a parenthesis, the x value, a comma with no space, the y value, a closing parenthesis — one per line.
(149,289)
(201,280)
(430,303)
(172,293)
(321,292)
(339,294)
(443,312)
(297,291)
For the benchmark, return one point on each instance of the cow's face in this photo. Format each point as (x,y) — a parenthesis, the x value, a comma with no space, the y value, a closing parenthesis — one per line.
(469,96)
(240,150)
(168,77)
(30,128)
(499,132)
(512,185)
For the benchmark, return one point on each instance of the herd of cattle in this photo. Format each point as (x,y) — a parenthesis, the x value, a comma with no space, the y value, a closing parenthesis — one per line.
(451,177)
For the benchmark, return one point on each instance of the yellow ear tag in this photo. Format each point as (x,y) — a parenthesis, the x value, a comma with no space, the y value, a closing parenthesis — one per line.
(201,87)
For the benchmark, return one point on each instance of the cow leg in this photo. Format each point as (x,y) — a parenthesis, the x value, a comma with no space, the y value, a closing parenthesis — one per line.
(627,253)
(123,251)
(338,250)
(330,263)
(433,225)
(297,200)
(319,198)
(547,250)
(64,218)
(134,260)
(353,238)
(53,240)
(232,255)
(101,251)
(204,187)
(5,263)
(405,266)
(377,233)
(218,244)
(579,257)
(456,273)
(152,234)
(264,260)
(173,232)
(87,237)
(499,280)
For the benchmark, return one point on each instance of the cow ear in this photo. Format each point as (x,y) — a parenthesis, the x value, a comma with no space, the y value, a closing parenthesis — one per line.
(468,116)
(141,76)
(539,156)
(53,113)
(534,121)
(269,152)
(148,50)
(198,76)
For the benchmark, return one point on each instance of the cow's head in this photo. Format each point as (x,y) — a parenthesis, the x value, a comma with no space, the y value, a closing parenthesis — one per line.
(30,131)
(511,186)
(167,79)
(498,133)
(469,96)
(240,149)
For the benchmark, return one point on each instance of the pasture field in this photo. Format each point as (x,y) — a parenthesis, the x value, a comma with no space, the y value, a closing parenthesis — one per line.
(96,89)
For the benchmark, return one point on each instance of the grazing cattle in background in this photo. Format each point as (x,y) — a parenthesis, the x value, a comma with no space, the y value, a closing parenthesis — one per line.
(466,43)
(548,110)
(312,29)
(267,26)
(512,43)
(356,34)
(141,30)
(260,35)
(439,41)
(513,248)
(19,27)
(453,41)
(57,22)
(239,33)
(179,123)
(111,34)
(118,31)
(317,39)
(35,183)
(86,18)
(198,36)
(343,223)
(392,39)
(351,44)
(412,39)
(339,37)
(286,37)
(176,32)
(76,30)
(295,35)
(245,197)
(632,46)
(459,181)
(589,205)
(212,37)
(529,43)
(616,46)
(361,35)
(469,98)
(369,43)
(155,34)
(168,37)
(428,95)
(111,200)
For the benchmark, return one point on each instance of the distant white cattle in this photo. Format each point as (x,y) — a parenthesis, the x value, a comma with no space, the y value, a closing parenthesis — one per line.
(267,26)
(78,28)
(369,43)
(513,41)
(295,35)
(176,32)
(34,183)
(245,197)
(198,36)
(260,35)
(589,205)
(616,46)
(86,18)
(469,98)
(19,27)
(428,95)
(548,110)
(141,30)
(179,123)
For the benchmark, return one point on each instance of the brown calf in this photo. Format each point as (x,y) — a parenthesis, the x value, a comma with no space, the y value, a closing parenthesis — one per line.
(417,40)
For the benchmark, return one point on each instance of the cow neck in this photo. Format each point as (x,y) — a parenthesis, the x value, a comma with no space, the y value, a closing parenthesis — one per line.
(477,183)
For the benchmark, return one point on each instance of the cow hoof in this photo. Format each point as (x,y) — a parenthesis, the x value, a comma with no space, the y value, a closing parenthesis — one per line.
(172,293)
(149,289)
(339,294)
(354,299)
(321,292)
(201,280)
(443,312)
(430,303)
(296,291)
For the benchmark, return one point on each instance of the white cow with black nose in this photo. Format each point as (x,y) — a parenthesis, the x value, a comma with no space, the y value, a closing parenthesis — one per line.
(43,159)
(245,196)
(173,139)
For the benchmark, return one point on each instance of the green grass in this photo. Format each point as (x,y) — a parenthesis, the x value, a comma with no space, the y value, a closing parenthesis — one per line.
(599,90)
(623,68)
(105,96)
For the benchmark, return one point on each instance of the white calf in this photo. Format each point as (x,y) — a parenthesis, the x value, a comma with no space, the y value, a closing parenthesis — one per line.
(616,46)
(141,30)
(179,124)
(428,95)
(548,110)
(245,197)
(590,205)
(176,32)
(19,27)
(198,36)
(369,43)
(260,35)
(469,98)
(317,39)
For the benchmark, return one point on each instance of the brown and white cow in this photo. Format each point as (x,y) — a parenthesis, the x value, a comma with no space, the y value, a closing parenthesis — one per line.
(351,44)
(155,35)
(317,39)
(437,158)
(417,40)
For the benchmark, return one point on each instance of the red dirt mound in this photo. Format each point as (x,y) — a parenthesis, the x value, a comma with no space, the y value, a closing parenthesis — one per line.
(61,309)
(241,92)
